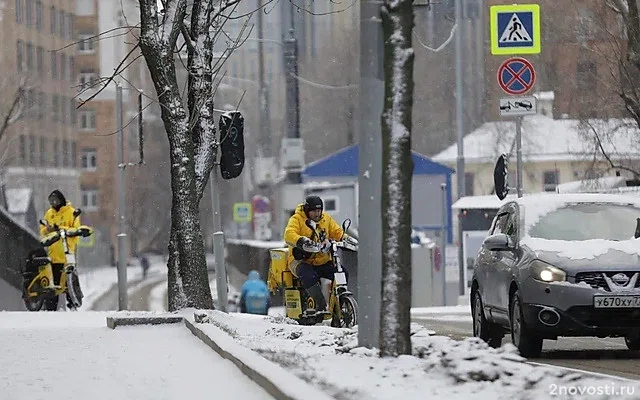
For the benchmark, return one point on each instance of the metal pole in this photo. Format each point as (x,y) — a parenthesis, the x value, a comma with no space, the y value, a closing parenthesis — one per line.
(519,155)
(370,105)
(265,131)
(459,102)
(123,302)
(218,241)
(460,174)
(444,243)
(292,94)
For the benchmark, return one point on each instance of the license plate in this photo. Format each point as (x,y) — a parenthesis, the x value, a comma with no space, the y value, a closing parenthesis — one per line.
(616,301)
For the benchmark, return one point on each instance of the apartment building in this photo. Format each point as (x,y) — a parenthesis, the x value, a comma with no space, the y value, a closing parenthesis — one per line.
(98,54)
(40,150)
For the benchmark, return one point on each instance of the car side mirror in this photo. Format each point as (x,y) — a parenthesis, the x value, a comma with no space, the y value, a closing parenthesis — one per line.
(77,212)
(498,242)
(346,224)
(43,222)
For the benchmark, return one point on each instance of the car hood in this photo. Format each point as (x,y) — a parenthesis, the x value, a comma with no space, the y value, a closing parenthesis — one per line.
(589,255)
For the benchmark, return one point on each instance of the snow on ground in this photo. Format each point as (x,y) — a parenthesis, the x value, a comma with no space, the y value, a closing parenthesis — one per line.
(95,282)
(75,356)
(439,367)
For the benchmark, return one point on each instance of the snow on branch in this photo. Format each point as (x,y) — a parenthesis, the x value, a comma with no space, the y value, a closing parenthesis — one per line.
(454,28)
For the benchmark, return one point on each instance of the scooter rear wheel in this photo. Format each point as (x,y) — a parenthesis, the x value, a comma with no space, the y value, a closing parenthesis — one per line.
(33,304)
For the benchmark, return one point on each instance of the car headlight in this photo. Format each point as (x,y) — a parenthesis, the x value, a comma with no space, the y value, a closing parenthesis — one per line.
(546,272)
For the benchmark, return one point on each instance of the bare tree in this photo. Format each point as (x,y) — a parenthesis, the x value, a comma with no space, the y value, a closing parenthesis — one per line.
(190,129)
(610,39)
(397,25)
(12,110)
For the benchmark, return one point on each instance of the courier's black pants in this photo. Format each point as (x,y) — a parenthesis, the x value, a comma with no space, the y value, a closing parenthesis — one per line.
(309,274)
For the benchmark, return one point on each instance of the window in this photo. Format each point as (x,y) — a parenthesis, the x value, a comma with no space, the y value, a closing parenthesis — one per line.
(86,79)
(22,151)
(61,23)
(19,55)
(586,76)
(55,107)
(74,115)
(331,204)
(88,119)
(32,150)
(28,11)
(72,68)
(40,60)
(65,153)
(550,181)
(74,154)
(89,160)
(505,224)
(39,15)
(64,109)
(56,152)
(86,43)
(63,66)
(19,11)
(42,105)
(469,178)
(70,25)
(85,7)
(54,65)
(89,199)
(43,151)
(52,10)
(30,63)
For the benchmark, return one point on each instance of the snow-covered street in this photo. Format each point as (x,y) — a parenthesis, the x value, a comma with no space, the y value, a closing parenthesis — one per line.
(75,356)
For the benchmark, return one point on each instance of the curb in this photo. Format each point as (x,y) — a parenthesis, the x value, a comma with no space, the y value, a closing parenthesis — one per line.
(112,322)
(271,377)
(278,382)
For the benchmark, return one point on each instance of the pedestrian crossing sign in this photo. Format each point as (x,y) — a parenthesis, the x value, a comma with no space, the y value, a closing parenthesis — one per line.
(515,29)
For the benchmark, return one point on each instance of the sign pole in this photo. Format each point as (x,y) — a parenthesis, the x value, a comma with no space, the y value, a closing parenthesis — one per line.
(519,155)
(218,240)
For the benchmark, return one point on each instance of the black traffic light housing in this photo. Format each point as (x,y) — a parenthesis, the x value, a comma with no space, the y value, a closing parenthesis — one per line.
(231,144)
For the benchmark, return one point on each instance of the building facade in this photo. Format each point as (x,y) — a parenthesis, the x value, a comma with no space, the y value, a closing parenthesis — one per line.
(38,60)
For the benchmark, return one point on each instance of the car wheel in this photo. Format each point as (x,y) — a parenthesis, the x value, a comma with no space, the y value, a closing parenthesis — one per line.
(522,337)
(632,341)
(485,330)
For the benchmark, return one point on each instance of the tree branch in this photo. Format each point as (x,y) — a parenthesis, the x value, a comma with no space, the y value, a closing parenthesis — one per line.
(16,108)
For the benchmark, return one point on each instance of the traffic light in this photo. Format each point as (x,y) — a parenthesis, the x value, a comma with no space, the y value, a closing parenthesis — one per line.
(231,144)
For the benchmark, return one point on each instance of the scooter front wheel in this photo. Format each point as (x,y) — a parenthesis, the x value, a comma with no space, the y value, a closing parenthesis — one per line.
(348,311)
(72,292)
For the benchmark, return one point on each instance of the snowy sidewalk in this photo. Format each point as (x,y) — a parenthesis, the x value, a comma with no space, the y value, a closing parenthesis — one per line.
(75,356)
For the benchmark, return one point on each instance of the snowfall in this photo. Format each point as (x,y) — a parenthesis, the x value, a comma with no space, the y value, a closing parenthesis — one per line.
(73,355)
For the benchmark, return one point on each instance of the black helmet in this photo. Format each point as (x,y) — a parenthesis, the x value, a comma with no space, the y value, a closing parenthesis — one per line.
(312,203)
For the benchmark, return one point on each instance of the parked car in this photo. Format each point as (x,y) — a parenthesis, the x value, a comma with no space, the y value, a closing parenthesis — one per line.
(557,265)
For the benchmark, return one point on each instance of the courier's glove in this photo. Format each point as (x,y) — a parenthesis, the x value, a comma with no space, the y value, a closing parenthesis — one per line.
(350,240)
(304,241)
(325,246)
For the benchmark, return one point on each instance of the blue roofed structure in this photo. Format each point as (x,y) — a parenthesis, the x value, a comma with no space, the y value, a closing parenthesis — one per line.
(344,162)
(428,176)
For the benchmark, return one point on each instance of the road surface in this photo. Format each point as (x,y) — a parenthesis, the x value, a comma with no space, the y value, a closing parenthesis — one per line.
(605,356)
(10,298)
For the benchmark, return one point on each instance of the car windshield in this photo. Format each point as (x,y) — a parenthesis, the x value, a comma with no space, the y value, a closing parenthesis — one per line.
(586,221)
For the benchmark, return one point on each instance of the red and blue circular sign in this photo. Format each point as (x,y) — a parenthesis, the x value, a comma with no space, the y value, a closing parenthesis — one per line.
(516,76)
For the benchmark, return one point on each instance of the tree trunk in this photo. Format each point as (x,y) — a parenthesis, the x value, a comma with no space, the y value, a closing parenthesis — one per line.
(187,270)
(397,25)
